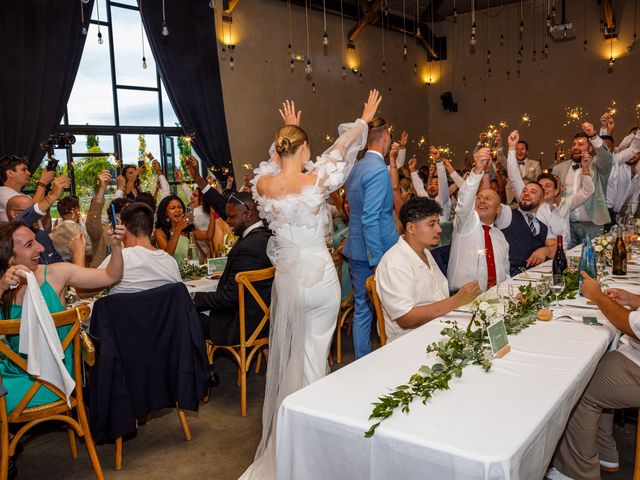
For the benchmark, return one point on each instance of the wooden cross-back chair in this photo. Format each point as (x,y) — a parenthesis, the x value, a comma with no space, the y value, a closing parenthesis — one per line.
(377,307)
(250,345)
(54,411)
(345,314)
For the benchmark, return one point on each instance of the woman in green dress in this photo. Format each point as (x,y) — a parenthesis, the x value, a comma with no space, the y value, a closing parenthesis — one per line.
(19,253)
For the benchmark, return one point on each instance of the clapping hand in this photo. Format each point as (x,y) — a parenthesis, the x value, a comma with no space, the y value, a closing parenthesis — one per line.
(288,113)
(514,138)
(371,105)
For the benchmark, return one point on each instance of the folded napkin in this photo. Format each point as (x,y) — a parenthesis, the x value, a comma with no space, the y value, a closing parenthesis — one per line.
(40,342)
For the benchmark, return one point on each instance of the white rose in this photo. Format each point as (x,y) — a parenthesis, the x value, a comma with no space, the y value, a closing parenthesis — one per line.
(599,248)
(490,312)
(483,306)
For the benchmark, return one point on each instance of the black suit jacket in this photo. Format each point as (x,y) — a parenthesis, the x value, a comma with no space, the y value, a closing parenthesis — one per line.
(249,253)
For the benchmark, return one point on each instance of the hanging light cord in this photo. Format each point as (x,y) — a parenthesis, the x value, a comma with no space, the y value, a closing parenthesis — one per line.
(163,13)
(306,15)
(344,54)
(324,14)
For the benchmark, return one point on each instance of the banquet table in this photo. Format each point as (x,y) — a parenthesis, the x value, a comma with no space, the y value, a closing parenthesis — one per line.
(202,285)
(501,424)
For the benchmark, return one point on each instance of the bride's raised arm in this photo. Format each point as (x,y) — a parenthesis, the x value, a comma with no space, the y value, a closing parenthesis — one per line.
(333,166)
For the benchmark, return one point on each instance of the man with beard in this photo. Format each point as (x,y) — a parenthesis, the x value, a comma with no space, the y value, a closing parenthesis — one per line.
(593,215)
(530,241)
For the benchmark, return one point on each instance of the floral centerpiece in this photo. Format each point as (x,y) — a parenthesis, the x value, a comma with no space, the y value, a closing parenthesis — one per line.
(462,347)
(603,248)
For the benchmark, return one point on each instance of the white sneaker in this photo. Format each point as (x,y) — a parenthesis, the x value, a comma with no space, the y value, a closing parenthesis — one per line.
(609,466)
(554,474)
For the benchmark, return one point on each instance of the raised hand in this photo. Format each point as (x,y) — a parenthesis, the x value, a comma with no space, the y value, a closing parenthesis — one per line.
(588,129)
(611,123)
(482,159)
(121,181)
(77,244)
(413,164)
(404,137)
(12,277)
(371,105)
(393,154)
(191,164)
(178,177)
(155,164)
(116,235)
(604,119)
(59,184)
(585,163)
(47,176)
(288,113)
(435,154)
(447,165)
(514,138)
(182,223)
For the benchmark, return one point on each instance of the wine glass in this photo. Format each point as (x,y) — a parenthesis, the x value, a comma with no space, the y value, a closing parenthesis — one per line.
(504,294)
(542,288)
(557,286)
(513,292)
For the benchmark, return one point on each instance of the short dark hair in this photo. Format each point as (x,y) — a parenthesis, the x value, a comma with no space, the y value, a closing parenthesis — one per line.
(581,135)
(137,217)
(377,127)
(526,145)
(530,182)
(9,162)
(607,137)
(242,198)
(418,208)
(118,205)
(548,176)
(633,130)
(67,204)
(147,198)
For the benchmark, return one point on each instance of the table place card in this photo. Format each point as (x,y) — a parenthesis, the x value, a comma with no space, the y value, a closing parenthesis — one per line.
(498,339)
(215,266)
(590,321)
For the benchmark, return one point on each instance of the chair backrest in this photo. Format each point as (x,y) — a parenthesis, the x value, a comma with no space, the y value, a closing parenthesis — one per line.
(68,317)
(339,259)
(245,282)
(370,285)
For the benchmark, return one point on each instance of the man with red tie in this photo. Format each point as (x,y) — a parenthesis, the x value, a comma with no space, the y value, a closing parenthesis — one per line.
(479,251)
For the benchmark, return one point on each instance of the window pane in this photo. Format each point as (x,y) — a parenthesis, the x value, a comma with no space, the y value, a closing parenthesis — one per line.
(104,144)
(91,99)
(138,107)
(170,117)
(131,145)
(128,51)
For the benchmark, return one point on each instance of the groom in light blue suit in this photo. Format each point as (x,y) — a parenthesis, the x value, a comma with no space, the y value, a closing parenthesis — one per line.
(372,229)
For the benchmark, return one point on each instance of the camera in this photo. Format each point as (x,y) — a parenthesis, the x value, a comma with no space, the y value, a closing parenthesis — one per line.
(52,165)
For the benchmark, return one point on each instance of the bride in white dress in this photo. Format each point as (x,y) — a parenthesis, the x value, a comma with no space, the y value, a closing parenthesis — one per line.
(305,298)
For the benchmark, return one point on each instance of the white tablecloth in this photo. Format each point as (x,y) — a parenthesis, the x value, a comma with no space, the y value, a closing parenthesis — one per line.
(503,424)
(202,285)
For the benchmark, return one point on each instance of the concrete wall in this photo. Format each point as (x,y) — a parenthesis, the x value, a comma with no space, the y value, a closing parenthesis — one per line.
(569,77)
(262,79)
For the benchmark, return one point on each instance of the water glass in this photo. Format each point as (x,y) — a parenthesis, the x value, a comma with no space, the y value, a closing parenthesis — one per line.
(557,286)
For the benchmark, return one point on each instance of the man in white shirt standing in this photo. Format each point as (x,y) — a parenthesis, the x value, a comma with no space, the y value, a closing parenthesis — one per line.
(14,175)
(587,445)
(478,249)
(412,289)
(145,267)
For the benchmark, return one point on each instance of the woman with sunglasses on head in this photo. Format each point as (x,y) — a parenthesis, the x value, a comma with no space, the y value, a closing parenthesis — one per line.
(291,193)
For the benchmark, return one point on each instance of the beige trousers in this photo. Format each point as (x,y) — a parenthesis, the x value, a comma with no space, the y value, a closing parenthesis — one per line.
(588,436)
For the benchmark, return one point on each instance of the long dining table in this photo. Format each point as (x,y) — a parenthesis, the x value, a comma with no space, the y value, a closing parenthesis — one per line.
(501,424)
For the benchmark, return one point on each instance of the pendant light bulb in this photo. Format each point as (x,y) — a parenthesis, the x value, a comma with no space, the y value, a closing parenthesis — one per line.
(100,40)
(472,42)
(223,54)
(521,26)
(508,75)
(548,21)
(464,80)
(84,30)
(291,65)
(144,63)
(455,15)
(519,57)
(415,68)
(404,50)
(289,49)
(308,69)
(343,74)
(612,61)
(534,55)
(313,87)
(384,67)
(85,1)
(553,12)
(501,40)
(325,39)
(165,29)
(473,28)
(488,56)
(585,45)
(361,78)
(232,64)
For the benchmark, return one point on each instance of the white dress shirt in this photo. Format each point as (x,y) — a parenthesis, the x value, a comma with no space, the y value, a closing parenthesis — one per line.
(404,281)
(630,347)
(572,184)
(443,190)
(468,240)
(555,217)
(620,184)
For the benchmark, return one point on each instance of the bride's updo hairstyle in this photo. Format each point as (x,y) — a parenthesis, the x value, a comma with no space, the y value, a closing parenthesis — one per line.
(288,140)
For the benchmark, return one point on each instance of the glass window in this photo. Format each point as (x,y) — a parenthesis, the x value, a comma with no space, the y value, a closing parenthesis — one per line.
(138,107)
(170,117)
(127,50)
(91,100)
(93,144)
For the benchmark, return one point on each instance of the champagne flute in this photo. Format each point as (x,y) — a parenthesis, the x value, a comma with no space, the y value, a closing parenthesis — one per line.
(557,286)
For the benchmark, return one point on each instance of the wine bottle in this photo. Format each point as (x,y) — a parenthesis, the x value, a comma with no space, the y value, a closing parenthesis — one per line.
(619,255)
(559,264)
(587,261)
(192,252)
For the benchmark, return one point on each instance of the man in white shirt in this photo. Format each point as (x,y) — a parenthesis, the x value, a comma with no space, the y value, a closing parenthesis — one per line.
(412,289)
(478,249)
(554,211)
(624,183)
(145,267)
(587,445)
(14,175)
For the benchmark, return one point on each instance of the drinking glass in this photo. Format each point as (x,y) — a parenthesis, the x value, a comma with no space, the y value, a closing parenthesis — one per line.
(513,292)
(542,288)
(557,286)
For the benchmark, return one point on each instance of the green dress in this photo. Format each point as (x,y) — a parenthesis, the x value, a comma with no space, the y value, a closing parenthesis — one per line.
(17,380)
(182,248)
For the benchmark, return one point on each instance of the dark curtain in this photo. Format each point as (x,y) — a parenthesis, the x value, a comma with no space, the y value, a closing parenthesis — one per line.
(41,43)
(188,62)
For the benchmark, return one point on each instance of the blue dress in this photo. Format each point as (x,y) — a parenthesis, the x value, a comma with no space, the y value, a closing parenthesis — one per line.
(17,381)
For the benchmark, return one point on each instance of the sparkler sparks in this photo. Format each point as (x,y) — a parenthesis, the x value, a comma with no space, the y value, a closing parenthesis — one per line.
(574,115)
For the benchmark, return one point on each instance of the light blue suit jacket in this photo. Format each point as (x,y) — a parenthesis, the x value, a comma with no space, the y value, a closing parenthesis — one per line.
(372,229)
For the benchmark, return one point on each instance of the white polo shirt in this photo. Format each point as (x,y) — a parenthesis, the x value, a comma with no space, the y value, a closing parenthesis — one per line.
(404,281)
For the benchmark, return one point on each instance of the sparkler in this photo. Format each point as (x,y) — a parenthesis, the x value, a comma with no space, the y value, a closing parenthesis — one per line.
(574,115)
(503,124)
(611,109)
(525,119)
(247,166)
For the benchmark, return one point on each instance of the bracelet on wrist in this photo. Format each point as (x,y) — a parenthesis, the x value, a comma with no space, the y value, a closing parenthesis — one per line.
(40,184)
(593,136)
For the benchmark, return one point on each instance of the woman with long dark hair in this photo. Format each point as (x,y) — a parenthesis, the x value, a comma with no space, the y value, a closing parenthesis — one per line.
(19,255)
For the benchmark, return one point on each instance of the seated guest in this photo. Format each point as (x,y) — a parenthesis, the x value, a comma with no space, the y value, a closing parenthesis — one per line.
(19,253)
(97,227)
(479,250)
(174,226)
(211,195)
(14,175)
(63,232)
(145,267)
(587,444)
(554,211)
(249,253)
(21,209)
(412,289)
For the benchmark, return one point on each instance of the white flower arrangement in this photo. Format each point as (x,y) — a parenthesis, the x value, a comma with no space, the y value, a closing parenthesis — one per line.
(603,246)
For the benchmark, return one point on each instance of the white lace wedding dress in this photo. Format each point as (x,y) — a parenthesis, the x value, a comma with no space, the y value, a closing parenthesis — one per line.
(305,298)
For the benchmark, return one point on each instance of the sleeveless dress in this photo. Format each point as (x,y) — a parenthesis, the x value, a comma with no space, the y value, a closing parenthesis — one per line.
(17,381)
(181,250)
(305,296)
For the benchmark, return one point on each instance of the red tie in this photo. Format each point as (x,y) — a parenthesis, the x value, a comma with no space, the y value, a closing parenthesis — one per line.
(491,264)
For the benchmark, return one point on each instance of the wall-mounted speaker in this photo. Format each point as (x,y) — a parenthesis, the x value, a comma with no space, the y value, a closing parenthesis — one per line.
(448,103)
